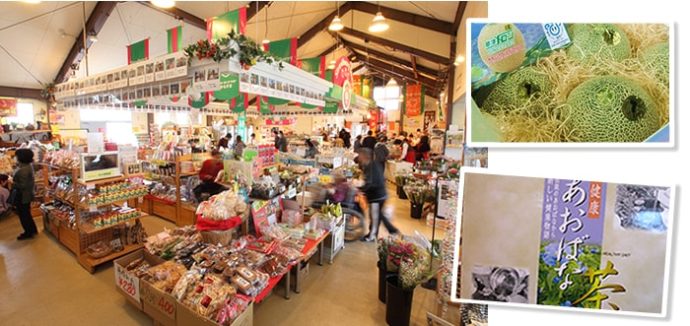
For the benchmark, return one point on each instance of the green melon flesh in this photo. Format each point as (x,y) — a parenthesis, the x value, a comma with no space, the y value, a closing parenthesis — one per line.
(655,60)
(603,41)
(516,89)
(612,109)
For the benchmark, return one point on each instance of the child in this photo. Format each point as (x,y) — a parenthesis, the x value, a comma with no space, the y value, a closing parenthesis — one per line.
(4,193)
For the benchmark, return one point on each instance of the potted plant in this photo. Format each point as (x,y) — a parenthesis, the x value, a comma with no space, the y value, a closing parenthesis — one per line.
(382,250)
(418,193)
(400,181)
(413,270)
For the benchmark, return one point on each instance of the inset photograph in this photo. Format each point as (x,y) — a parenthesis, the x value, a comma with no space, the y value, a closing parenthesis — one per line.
(569,83)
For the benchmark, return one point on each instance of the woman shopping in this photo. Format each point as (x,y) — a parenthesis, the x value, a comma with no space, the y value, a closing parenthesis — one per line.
(23,188)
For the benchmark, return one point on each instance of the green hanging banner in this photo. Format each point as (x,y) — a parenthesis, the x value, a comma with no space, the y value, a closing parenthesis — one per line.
(315,66)
(229,86)
(277,101)
(285,50)
(239,104)
(264,106)
(331,107)
(219,26)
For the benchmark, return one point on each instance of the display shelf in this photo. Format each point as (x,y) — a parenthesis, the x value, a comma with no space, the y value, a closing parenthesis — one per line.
(117,203)
(188,174)
(101,181)
(89,228)
(272,282)
(64,200)
(91,263)
(159,200)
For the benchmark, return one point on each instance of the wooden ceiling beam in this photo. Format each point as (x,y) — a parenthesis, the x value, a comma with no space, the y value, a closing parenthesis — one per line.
(462,5)
(398,46)
(387,57)
(18,92)
(252,10)
(323,24)
(380,65)
(405,17)
(414,65)
(95,22)
(179,14)
(329,50)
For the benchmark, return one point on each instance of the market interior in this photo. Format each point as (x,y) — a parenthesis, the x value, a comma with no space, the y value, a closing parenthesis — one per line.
(220,162)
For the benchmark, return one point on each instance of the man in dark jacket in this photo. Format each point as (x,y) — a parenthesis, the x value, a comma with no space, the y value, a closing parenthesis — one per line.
(375,190)
(282,142)
(381,153)
(224,141)
(369,141)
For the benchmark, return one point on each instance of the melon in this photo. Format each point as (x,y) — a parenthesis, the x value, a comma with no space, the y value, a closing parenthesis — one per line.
(600,41)
(516,89)
(655,60)
(501,47)
(612,109)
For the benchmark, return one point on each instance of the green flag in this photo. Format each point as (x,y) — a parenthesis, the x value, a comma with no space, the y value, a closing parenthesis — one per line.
(138,51)
(219,26)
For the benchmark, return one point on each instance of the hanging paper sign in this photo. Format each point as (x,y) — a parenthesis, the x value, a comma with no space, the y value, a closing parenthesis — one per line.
(229,86)
(429,120)
(263,84)
(413,100)
(149,74)
(239,103)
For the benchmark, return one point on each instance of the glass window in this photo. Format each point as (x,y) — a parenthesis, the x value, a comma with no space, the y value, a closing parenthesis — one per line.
(387,97)
(104,115)
(120,133)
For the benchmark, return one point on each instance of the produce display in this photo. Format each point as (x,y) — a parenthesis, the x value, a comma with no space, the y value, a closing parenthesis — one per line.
(608,83)
(222,206)
(112,216)
(62,158)
(162,190)
(115,192)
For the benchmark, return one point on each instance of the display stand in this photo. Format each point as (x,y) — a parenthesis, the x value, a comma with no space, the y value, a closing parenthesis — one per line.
(78,239)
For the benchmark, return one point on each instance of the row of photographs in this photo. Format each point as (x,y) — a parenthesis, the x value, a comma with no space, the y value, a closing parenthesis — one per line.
(570,84)
(277,85)
(573,245)
(132,94)
(159,69)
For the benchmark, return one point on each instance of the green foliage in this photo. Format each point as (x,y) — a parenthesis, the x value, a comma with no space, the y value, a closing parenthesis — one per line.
(248,51)
(548,291)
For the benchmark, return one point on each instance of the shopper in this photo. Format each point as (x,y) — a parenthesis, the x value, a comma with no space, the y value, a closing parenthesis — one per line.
(358,143)
(276,138)
(381,152)
(369,141)
(252,139)
(345,136)
(409,153)
(208,175)
(23,188)
(423,148)
(375,190)
(223,142)
(238,148)
(4,194)
(282,142)
(311,149)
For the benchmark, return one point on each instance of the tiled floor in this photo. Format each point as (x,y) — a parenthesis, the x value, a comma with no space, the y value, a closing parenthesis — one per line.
(42,283)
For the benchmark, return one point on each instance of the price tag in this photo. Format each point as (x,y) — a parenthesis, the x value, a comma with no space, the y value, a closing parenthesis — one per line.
(127,282)
(90,186)
(93,208)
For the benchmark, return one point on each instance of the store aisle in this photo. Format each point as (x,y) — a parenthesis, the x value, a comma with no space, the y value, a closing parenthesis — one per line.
(42,283)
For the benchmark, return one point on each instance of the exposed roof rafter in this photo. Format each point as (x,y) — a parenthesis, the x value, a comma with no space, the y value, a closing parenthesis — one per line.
(405,17)
(387,57)
(178,14)
(95,22)
(398,46)
(18,92)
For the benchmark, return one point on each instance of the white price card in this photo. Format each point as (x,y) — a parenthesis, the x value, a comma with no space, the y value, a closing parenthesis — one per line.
(127,282)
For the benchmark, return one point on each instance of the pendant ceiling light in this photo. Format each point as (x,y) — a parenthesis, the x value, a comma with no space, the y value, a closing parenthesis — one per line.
(378,24)
(163,3)
(336,23)
(459,59)
(331,65)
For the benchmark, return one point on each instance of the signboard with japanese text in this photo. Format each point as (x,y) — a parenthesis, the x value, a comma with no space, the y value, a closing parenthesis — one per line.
(564,243)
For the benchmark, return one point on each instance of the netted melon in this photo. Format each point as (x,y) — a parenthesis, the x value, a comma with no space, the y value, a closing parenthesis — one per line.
(655,60)
(612,109)
(602,41)
(516,89)
(501,47)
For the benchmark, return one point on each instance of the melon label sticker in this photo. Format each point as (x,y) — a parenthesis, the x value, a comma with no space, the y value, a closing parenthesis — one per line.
(500,42)
(556,35)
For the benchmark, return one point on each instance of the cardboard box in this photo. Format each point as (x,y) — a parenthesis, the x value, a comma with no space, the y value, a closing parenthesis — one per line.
(159,305)
(187,317)
(128,284)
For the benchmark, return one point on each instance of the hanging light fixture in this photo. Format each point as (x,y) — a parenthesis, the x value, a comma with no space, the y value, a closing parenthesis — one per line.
(378,24)
(459,59)
(336,23)
(163,3)
(93,38)
(266,40)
